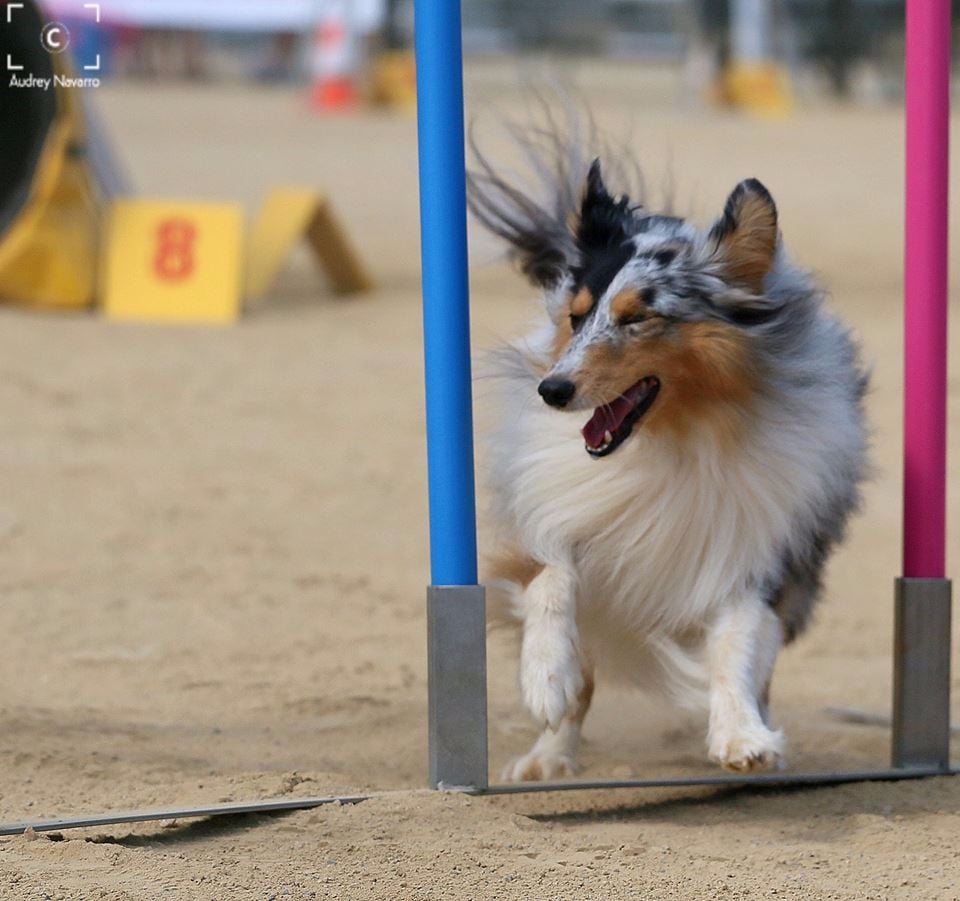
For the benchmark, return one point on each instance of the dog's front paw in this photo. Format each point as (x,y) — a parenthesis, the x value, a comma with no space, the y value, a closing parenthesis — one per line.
(539,766)
(550,676)
(747,749)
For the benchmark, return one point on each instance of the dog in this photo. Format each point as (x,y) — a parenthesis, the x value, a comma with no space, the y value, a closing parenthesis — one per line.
(675,450)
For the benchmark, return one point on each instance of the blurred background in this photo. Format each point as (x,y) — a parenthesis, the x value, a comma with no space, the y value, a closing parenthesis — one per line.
(213,543)
(822,48)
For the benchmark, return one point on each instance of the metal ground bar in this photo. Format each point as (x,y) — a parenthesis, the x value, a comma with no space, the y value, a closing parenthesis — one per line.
(719,781)
(232,808)
(277,805)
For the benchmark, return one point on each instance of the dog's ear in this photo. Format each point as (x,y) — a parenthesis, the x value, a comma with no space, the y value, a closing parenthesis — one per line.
(539,239)
(745,237)
(603,220)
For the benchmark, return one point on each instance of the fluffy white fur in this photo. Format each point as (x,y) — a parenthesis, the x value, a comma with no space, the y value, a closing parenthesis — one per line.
(652,555)
(678,559)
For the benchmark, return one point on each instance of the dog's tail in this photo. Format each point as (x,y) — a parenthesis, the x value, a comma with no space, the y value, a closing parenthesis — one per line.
(684,672)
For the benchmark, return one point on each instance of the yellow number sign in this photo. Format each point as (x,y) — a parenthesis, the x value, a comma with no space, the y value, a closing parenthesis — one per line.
(173,261)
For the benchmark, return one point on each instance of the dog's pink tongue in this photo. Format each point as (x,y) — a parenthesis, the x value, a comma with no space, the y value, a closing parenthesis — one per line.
(605,419)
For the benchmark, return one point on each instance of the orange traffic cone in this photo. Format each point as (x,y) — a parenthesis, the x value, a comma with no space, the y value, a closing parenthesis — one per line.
(334,60)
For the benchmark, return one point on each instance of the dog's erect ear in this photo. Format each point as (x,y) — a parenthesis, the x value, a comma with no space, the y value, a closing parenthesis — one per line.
(539,238)
(603,220)
(549,240)
(746,235)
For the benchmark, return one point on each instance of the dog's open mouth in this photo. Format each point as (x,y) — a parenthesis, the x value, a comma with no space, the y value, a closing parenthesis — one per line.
(612,423)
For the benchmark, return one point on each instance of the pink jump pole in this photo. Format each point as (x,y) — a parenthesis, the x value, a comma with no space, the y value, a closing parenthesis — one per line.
(925,421)
(921,734)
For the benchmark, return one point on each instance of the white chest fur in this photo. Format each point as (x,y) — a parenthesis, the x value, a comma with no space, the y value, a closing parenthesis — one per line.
(658,534)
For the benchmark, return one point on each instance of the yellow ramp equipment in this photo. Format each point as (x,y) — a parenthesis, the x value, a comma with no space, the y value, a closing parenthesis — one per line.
(289,215)
(50,194)
(70,233)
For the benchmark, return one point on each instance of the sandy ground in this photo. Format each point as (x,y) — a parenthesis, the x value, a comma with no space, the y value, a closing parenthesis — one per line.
(214,559)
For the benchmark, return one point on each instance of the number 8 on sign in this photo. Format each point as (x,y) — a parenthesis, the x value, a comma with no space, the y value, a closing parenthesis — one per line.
(173,260)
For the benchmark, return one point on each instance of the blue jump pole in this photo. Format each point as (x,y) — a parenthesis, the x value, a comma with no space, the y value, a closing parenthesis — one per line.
(455,602)
(446,310)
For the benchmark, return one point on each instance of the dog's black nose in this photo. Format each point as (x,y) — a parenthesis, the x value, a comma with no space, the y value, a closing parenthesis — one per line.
(557,392)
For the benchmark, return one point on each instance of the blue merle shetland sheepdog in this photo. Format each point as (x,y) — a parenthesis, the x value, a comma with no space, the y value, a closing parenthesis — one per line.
(676,449)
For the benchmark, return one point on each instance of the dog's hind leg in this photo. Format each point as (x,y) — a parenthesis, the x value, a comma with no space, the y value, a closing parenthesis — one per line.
(554,755)
(742,647)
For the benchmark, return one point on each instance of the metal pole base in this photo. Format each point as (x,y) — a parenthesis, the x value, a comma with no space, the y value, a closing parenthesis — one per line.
(457,686)
(921,674)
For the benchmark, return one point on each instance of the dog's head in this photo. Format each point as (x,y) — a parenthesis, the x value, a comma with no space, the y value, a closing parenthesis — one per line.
(654,320)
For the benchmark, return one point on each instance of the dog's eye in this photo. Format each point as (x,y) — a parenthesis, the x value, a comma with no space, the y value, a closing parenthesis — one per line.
(665,257)
(756,316)
(576,321)
(645,310)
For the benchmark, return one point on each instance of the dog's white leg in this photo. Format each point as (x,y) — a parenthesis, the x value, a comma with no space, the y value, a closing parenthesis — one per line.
(742,647)
(554,755)
(550,671)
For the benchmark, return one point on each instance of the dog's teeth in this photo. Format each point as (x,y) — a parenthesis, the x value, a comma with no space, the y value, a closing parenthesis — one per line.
(607,437)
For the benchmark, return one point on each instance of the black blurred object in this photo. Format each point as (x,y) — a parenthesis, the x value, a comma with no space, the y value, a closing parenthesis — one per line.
(842,35)
(839,34)
(27,113)
(57,171)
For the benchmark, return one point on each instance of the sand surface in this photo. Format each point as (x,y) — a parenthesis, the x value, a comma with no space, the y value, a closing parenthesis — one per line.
(214,557)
